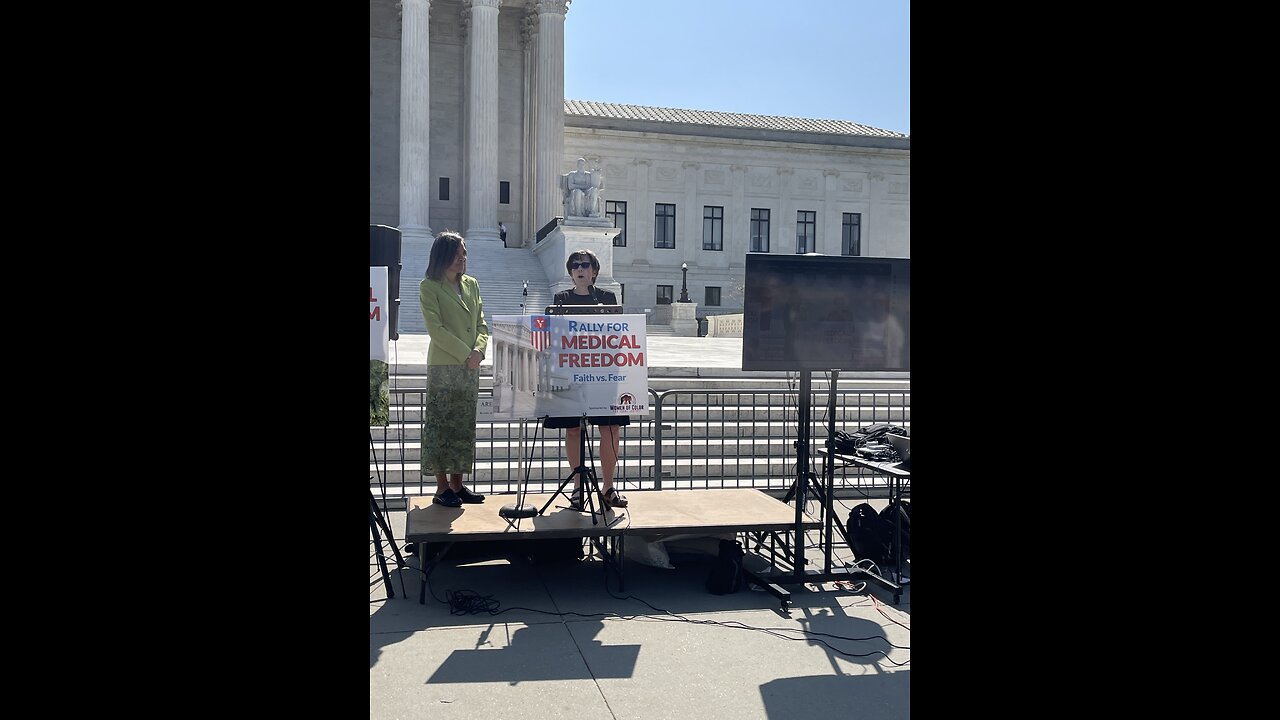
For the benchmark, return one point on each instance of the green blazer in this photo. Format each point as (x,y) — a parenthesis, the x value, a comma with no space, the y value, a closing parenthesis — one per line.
(456,326)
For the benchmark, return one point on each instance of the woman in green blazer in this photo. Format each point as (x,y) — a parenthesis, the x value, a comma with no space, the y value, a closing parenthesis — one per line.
(454,315)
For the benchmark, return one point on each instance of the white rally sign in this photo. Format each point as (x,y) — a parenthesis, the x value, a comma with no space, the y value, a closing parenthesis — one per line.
(569,365)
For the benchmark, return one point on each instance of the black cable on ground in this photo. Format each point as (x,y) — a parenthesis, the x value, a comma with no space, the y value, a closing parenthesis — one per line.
(467,602)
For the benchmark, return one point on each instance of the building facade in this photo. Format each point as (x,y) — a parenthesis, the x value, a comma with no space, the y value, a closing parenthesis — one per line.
(469,127)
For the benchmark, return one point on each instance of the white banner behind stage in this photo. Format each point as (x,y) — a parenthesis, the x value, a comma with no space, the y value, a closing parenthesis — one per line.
(379,333)
(568,365)
(379,321)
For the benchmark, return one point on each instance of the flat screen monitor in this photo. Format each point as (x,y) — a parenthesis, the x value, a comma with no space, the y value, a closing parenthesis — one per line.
(827,312)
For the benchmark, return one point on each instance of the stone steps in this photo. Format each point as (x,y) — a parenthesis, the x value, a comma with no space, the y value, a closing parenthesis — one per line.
(698,431)
(411,375)
(725,414)
(505,450)
(733,470)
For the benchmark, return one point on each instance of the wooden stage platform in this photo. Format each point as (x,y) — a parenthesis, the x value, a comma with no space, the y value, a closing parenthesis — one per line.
(769,525)
(649,513)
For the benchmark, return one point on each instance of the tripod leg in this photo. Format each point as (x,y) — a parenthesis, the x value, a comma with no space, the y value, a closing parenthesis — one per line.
(381,519)
(590,483)
(559,491)
(376,513)
(382,562)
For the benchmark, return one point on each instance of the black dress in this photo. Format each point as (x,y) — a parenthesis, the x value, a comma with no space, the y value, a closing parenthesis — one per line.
(595,297)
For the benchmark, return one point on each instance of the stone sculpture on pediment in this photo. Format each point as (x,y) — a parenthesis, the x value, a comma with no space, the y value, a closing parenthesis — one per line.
(583,192)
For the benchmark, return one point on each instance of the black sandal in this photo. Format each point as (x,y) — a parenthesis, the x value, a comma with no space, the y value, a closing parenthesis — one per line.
(613,498)
(576,499)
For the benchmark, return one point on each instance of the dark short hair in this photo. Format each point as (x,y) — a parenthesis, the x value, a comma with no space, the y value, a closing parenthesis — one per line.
(443,251)
(595,261)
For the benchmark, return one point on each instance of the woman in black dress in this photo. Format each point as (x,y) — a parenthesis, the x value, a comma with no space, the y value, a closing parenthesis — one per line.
(584,267)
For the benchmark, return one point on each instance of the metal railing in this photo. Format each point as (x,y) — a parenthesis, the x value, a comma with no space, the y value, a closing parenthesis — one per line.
(552,224)
(693,439)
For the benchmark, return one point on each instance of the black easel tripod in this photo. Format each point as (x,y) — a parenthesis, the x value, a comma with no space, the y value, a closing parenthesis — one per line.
(590,483)
(825,496)
(377,525)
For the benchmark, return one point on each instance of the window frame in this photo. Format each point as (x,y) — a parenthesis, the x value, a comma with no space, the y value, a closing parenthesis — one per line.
(667,223)
(845,234)
(806,219)
(621,239)
(716,227)
(759,217)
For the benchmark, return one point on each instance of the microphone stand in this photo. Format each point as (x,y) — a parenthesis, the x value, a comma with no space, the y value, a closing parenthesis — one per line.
(521,509)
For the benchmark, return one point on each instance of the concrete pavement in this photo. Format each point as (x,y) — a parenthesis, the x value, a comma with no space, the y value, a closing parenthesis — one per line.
(554,640)
(560,640)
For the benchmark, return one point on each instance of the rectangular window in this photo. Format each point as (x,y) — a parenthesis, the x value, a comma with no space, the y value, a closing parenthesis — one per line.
(504,192)
(712,228)
(806,230)
(713,297)
(665,294)
(616,211)
(444,188)
(664,225)
(851,234)
(759,230)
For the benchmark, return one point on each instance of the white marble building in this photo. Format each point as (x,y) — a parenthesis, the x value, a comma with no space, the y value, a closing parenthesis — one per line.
(468,126)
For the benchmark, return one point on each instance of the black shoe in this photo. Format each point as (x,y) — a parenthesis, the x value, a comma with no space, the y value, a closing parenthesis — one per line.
(576,499)
(613,498)
(447,498)
(467,496)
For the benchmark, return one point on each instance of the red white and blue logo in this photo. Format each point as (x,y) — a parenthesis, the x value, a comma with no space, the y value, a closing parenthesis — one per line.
(539,332)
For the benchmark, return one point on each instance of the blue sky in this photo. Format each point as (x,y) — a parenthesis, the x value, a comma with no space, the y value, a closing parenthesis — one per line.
(829,59)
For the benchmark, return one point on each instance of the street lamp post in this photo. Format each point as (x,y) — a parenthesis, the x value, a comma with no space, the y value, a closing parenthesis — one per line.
(684,283)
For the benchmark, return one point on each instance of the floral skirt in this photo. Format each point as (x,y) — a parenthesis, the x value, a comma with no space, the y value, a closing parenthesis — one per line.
(449,419)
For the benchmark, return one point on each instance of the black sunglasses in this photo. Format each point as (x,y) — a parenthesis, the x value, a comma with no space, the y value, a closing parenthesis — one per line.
(576,265)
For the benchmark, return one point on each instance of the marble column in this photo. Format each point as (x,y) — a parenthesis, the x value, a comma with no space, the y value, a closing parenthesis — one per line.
(692,219)
(482,107)
(528,44)
(415,118)
(416,236)
(871,244)
(641,216)
(829,233)
(787,242)
(549,113)
(737,221)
